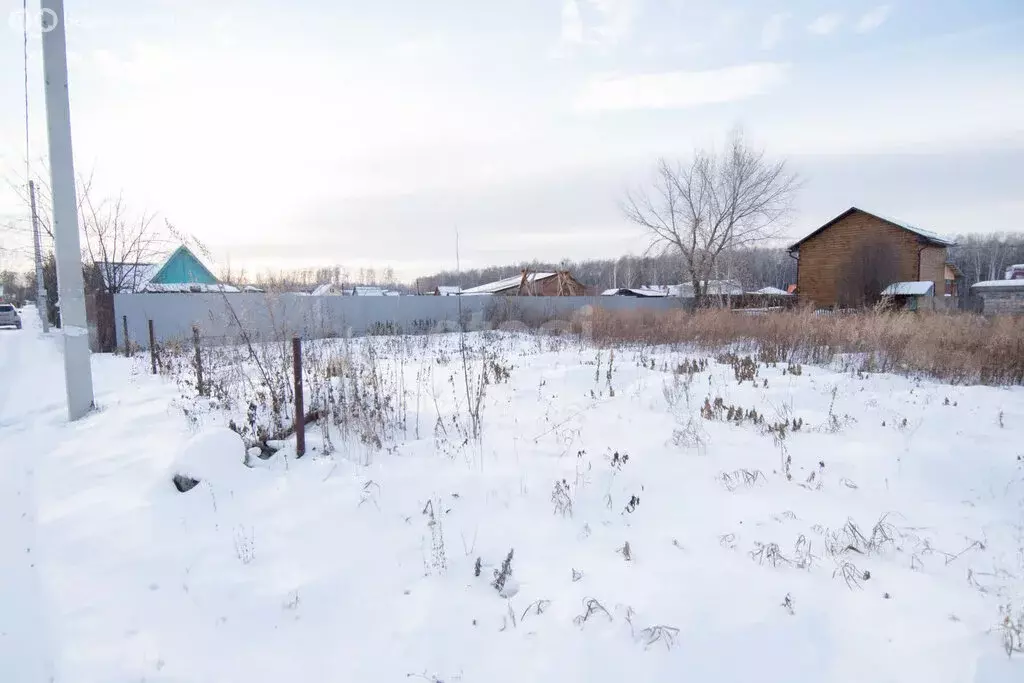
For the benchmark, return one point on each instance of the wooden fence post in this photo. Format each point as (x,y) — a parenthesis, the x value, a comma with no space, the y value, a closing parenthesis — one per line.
(300,418)
(127,342)
(199,361)
(152,347)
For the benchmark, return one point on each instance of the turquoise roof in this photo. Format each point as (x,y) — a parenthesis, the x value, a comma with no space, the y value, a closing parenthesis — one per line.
(183,267)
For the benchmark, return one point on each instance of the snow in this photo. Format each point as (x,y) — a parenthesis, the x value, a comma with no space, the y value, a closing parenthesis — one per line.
(772,291)
(909,289)
(187,288)
(329,568)
(999,284)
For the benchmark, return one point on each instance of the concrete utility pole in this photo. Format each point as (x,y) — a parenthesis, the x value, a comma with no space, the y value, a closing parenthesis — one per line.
(70,287)
(40,286)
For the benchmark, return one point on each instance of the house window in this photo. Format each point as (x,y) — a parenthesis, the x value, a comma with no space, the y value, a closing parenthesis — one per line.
(951,287)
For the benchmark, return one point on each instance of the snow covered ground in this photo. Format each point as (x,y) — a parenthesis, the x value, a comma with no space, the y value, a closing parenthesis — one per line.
(651,542)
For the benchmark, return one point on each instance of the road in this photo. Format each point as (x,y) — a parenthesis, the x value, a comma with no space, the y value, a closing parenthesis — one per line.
(31,392)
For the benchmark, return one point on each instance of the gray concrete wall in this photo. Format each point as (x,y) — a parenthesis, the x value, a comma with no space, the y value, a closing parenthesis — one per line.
(997,301)
(268,315)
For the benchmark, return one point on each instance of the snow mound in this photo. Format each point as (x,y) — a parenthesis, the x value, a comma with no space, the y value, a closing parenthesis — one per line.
(213,455)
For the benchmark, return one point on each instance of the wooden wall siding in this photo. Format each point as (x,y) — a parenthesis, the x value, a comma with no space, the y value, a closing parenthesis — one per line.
(933,268)
(824,257)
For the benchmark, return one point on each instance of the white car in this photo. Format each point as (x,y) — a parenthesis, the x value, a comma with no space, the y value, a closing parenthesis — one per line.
(9,316)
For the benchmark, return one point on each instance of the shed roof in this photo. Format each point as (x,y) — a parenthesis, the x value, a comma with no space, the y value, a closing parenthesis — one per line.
(773,291)
(999,284)
(507,283)
(925,235)
(909,289)
(635,291)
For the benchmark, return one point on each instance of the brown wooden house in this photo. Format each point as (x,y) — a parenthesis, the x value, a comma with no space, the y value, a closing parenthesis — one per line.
(850,260)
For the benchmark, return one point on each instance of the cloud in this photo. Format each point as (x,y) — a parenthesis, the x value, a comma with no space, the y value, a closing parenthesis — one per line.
(572,23)
(825,24)
(873,19)
(681,89)
(771,33)
(616,19)
(608,22)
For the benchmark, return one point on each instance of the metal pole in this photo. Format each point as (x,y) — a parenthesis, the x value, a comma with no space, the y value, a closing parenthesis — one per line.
(40,284)
(199,361)
(152,347)
(300,417)
(127,341)
(70,287)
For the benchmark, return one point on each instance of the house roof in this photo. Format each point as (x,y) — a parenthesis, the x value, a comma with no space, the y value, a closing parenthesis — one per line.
(181,271)
(323,289)
(634,291)
(999,284)
(369,290)
(925,235)
(507,283)
(772,291)
(187,288)
(448,290)
(909,289)
(711,288)
(183,267)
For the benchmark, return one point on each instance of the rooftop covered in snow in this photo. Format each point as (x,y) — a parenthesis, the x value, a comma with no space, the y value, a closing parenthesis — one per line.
(924,288)
(999,284)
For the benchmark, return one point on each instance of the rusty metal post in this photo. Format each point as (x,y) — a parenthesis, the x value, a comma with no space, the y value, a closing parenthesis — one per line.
(199,361)
(152,347)
(127,342)
(300,417)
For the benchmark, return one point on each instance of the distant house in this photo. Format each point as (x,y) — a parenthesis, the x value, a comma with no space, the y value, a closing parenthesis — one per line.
(447,290)
(367,290)
(181,272)
(849,260)
(530,283)
(712,288)
(1015,272)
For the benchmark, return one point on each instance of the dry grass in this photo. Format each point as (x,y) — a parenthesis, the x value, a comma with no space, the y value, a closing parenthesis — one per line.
(959,348)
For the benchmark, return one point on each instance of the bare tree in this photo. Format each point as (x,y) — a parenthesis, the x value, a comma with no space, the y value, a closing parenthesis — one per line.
(116,241)
(867,271)
(720,201)
(119,245)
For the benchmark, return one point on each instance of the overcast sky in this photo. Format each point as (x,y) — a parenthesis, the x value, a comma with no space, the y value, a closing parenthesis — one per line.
(313,132)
